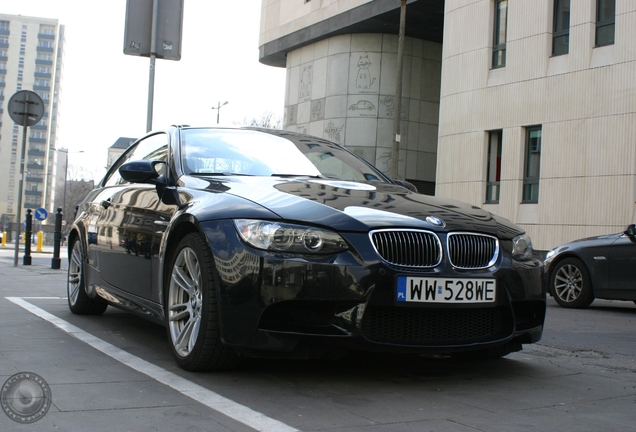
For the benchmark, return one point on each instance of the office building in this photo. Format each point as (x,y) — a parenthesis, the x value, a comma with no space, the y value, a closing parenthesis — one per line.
(31,53)
(525,108)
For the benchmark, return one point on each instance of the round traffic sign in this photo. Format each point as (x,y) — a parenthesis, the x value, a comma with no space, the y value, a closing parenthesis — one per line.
(26,108)
(41,214)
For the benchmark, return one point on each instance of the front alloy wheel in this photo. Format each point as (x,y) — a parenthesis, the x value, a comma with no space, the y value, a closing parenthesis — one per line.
(78,300)
(192,309)
(571,284)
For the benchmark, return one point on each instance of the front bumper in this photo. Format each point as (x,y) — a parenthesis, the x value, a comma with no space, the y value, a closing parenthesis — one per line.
(273,302)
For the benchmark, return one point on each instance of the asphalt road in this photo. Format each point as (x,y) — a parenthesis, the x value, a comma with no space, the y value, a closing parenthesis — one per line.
(115,372)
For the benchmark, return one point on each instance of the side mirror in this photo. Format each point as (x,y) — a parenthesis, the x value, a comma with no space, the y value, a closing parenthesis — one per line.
(630,231)
(143,171)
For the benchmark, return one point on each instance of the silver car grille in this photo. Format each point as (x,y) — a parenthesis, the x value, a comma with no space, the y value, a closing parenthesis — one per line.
(472,251)
(408,248)
(422,249)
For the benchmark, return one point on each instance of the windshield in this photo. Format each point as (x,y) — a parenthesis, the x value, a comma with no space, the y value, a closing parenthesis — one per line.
(250,152)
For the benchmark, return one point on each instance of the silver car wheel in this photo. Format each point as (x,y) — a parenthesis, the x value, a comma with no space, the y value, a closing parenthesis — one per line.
(74,284)
(185,301)
(568,283)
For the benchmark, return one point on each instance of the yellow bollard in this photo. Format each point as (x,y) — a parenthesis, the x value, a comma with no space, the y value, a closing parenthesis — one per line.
(40,241)
(4,238)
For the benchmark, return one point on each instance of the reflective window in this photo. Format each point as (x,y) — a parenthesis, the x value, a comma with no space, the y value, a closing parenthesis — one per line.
(494,167)
(532,165)
(500,29)
(561,35)
(226,151)
(154,147)
(605,19)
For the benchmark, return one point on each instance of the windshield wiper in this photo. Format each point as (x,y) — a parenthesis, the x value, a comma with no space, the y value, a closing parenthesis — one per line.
(298,175)
(225,173)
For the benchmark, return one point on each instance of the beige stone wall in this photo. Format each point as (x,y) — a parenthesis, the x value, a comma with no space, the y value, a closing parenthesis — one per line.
(343,89)
(282,17)
(585,102)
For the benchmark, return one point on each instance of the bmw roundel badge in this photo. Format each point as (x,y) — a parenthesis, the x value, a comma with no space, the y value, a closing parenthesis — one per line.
(435,221)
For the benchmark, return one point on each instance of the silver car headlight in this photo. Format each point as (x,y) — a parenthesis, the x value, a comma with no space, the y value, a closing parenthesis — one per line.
(282,237)
(522,249)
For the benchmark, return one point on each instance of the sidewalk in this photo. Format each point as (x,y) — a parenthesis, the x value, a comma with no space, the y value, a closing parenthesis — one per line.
(90,389)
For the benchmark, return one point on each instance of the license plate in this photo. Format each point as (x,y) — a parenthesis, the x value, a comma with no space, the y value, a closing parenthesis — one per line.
(445,290)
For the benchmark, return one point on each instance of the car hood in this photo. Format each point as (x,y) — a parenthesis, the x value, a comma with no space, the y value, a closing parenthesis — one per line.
(602,240)
(353,206)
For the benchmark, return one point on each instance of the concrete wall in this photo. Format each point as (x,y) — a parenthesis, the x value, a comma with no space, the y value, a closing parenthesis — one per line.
(585,102)
(343,88)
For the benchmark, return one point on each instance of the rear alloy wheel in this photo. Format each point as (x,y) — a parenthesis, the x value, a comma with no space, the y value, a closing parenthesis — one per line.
(78,300)
(192,309)
(571,285)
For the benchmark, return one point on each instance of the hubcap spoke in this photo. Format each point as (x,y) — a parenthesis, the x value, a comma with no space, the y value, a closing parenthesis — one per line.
(185,300)
(74,275)
(568,283)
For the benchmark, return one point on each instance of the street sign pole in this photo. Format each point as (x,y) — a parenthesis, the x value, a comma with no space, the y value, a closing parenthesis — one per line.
(25,108)
(20,188)
(153,56)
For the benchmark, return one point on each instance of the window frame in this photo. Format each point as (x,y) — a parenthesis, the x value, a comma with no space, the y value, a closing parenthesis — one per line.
(530,193)
(499,46)
(602,24)
(559,30)
(493,166)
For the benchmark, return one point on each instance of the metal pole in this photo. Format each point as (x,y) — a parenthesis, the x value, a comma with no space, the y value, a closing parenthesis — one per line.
(218,112)
(153,55)
(21,182)
(398,95)
(57,237)
(65,181)
(28,231)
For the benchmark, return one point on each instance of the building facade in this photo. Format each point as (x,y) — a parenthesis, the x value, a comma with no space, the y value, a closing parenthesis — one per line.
(525,108)
(31,53)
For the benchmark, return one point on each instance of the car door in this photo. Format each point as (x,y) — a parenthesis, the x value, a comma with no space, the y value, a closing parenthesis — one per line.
(126,224)
(622,268)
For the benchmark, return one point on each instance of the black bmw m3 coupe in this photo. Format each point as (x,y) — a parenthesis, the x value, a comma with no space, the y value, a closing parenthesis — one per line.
(254,242)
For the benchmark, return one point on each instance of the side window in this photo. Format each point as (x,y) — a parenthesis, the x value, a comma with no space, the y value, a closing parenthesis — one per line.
(500,34)
(494,167)
(561,28)
(532,165)
(154,147)
(605,22)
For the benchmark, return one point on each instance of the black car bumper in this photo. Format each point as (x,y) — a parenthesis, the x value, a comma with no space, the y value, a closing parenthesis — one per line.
(273,302)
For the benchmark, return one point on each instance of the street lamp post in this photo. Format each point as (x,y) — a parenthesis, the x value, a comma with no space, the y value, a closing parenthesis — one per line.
(218,110)
(66,176)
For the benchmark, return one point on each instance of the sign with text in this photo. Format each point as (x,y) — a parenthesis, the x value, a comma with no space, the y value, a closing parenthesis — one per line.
(138,31)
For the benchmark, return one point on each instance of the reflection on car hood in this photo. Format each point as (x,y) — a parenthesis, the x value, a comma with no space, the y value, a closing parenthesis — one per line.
(605,239)
(352,206)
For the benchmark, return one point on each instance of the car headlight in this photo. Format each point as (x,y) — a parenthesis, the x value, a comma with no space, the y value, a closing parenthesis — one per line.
(522,249)
(282,237)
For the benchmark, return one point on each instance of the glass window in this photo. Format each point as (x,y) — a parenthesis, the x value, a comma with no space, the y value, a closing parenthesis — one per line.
(154,147)
(532,165)
(605,18)
(561,34)
(500,28)
(210,151)
(494,167)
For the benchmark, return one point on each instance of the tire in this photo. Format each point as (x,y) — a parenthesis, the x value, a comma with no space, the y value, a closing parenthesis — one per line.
(78,300)
(571,285)
(192,311)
